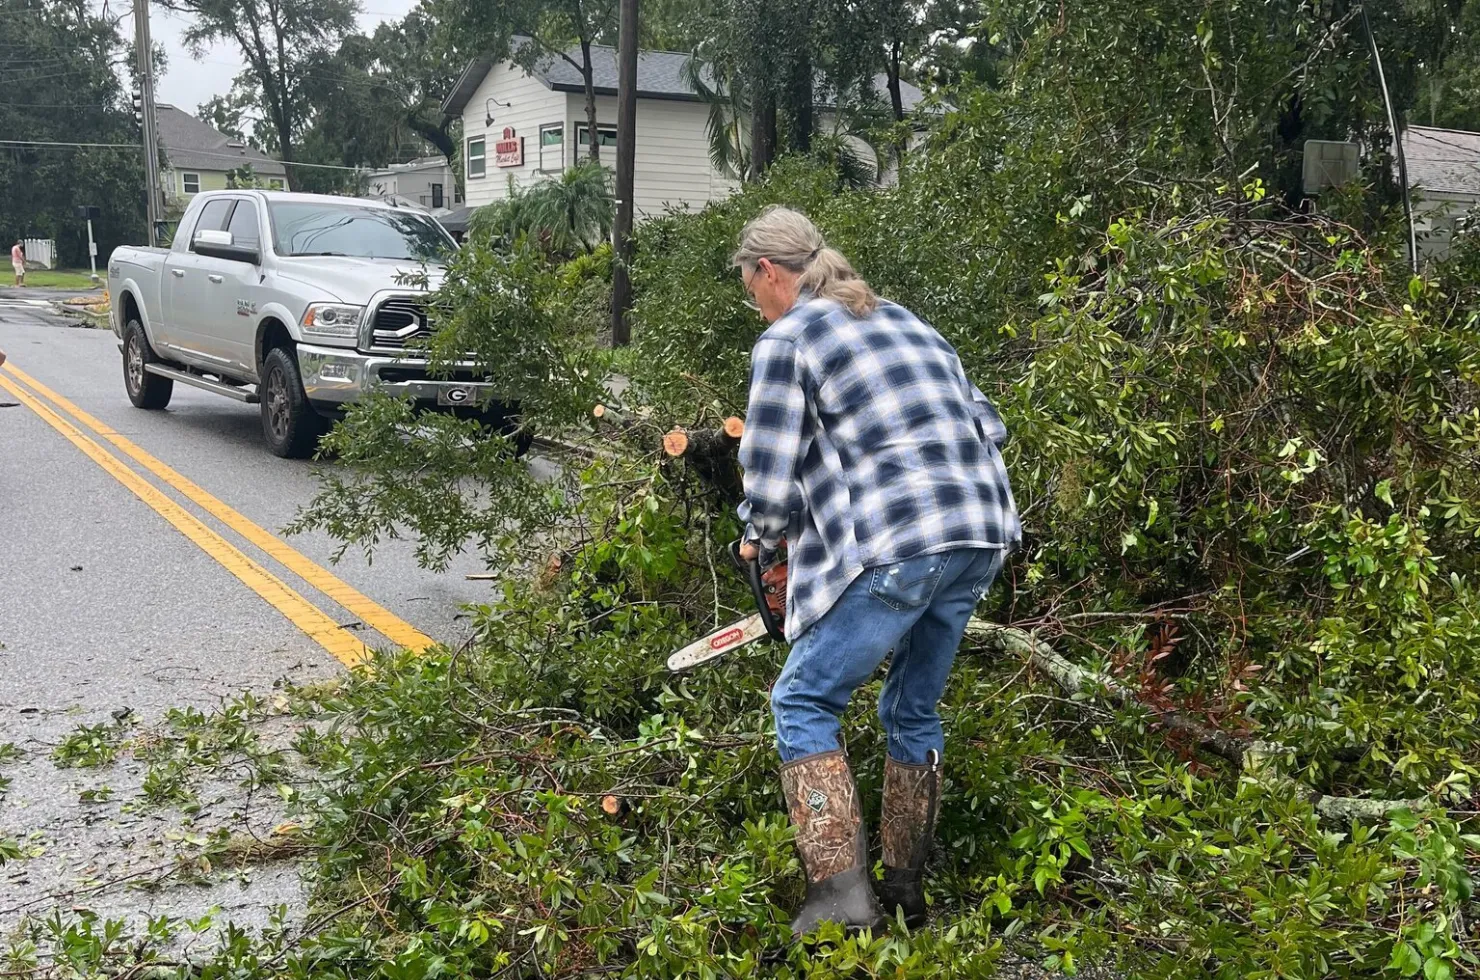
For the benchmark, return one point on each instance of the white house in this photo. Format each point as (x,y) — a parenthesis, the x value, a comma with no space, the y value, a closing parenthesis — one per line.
(1444,172)
(521,127)
(426,181)
(525,126)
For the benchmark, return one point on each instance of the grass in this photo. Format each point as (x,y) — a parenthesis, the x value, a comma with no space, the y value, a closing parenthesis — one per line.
(56,279)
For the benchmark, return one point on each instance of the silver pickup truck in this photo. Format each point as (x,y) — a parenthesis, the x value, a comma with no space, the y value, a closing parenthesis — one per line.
(292,301)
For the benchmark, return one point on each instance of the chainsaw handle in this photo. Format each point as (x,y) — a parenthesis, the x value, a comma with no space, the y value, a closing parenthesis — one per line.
(752,569)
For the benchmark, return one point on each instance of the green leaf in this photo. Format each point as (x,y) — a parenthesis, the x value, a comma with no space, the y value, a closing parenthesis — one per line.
(1437,968)
(1405,959)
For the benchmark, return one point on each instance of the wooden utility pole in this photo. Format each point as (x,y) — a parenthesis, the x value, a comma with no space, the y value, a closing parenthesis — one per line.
(147,123)
(626,161)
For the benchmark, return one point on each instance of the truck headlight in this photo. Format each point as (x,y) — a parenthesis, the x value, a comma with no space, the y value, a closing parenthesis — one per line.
(332,321)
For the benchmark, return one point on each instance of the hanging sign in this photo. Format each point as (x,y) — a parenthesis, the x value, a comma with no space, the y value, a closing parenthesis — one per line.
(509,151)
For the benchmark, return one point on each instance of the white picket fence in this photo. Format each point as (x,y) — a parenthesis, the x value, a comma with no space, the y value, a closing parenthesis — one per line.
(41,252)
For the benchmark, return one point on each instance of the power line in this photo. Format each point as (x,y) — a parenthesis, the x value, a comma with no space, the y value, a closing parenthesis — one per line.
(115,146)
(198,153)
(58,105)
(286,163)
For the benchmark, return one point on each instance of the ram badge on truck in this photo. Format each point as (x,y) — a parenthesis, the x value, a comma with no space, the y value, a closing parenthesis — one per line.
(293,301)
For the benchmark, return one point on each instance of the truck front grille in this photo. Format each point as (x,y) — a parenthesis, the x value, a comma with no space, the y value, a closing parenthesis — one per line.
(398,323)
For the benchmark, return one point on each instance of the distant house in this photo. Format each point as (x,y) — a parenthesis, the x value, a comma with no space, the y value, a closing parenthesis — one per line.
(521,127)
(198,158)
(427,182)
(1444,172)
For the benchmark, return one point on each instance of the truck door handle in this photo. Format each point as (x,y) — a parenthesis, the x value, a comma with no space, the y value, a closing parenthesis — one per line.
(214,278)
(178,273)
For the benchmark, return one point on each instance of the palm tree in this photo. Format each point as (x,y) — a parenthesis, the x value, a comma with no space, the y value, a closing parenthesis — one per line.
(501,221)
(728,100)
(851,147)
(576,209)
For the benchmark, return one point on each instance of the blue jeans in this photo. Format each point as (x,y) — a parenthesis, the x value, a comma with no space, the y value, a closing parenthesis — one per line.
(915,609)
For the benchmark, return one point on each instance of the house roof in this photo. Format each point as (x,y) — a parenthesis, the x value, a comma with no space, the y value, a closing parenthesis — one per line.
(1443,160)
(910,95)
(660,75)
(456,220)
(192,144)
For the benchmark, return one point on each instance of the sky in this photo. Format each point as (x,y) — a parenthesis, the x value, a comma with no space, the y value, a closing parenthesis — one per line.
(188,82)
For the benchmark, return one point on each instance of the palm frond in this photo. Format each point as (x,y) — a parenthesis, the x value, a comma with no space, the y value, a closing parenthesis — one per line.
(727,105)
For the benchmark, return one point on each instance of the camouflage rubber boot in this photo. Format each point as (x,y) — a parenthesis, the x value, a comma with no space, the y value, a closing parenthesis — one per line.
(911,803)
(823,804)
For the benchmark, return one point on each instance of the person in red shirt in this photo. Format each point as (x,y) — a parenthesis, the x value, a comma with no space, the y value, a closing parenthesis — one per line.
(18,262)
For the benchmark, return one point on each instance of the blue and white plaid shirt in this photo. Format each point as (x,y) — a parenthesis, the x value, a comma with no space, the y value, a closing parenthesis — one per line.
(865,444)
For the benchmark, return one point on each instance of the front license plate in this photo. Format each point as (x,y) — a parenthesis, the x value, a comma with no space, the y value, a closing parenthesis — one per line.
(459,395)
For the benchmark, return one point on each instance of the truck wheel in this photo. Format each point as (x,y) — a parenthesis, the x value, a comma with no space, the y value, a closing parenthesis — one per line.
(145,390)
(289,423)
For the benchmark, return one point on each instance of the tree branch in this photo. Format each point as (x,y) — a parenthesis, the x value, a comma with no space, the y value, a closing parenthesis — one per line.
(1261,761)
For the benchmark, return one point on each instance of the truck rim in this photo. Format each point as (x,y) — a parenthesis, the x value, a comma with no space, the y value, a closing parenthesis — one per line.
(135,363)
(277,404)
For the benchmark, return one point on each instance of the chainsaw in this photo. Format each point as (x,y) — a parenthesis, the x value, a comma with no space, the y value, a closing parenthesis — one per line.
(768,586)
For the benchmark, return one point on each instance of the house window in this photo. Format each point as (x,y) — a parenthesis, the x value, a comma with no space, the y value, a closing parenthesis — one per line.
(457,195)
(276,183)
(189,183)
(477,157)
(436,195)
(605,136)
(552,147)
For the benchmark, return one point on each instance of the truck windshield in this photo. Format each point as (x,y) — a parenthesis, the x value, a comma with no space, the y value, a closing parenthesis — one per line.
(304,228)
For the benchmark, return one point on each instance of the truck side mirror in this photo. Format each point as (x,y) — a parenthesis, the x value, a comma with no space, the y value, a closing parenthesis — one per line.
(219,244)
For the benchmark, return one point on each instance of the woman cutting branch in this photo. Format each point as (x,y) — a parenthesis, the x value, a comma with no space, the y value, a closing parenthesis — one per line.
(870,452)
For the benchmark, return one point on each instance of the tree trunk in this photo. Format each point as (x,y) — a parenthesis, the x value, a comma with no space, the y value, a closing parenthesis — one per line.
(1290,135)
(284,116)
(284,129)
(626,161)
(588,76)
(896,102)
(801,99)
(436,135)
(896,95)
(762,132)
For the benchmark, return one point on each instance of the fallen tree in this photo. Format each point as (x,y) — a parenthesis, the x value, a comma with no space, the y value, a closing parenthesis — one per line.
(1255,759)
(1246,461)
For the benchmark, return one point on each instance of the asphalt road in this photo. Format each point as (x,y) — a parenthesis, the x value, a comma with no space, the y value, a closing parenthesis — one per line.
(106,604)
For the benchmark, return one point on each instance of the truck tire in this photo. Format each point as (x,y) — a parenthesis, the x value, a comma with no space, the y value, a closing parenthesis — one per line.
(145,390)
(289,423)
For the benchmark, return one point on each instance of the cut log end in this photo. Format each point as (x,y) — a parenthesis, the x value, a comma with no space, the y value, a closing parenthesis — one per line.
(734,427)
(676,443)
(598,411)
(611,805)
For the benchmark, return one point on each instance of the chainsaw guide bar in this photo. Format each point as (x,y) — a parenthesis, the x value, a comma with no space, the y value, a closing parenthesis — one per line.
(718,643)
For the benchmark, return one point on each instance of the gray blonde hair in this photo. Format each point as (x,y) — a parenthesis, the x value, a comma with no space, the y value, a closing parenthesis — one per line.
(789,239)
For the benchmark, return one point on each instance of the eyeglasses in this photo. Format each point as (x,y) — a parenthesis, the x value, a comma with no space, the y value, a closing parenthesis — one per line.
(749,300)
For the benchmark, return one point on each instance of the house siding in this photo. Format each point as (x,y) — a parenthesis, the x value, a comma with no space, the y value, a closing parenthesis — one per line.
(1435,215)
(415,185)
(672,167)
(210,180)
(531,105)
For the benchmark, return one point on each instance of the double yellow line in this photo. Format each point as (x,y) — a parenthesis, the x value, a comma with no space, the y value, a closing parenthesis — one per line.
(334,638)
